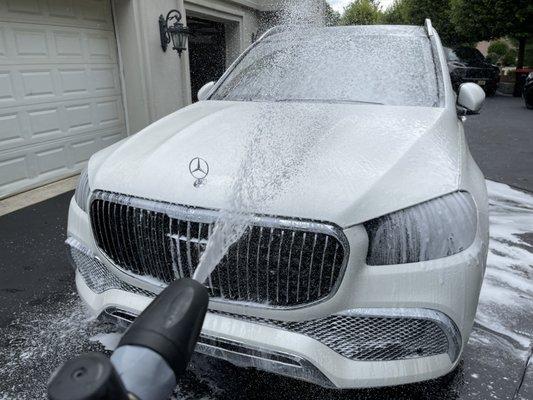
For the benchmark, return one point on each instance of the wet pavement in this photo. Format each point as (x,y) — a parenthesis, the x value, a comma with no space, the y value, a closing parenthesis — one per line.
(501,140)
(42,322)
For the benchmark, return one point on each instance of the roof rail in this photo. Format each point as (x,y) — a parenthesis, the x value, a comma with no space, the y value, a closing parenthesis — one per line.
(429,27)
(282,28)
(273,30)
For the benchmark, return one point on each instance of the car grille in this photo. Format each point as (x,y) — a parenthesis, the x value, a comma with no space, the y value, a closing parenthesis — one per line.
(277,262)
(366,338)
(95,274)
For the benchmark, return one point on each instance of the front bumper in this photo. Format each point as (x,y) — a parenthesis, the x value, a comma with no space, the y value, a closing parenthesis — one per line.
(448,289)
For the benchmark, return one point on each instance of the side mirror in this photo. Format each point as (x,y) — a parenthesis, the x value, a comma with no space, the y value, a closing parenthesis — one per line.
(470,99)
(204,91)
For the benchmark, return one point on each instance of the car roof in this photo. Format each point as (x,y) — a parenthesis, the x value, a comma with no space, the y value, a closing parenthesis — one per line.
(352,30)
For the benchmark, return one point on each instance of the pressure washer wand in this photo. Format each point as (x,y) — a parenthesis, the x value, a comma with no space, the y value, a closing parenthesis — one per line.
(153,353)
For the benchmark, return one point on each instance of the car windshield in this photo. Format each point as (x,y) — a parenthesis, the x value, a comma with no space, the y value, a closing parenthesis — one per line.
(349,65)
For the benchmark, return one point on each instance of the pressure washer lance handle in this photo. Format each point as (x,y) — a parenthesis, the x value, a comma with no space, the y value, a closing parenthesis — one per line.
(152,354)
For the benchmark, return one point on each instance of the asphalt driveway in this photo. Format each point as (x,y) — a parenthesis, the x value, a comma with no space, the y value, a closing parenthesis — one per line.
(42,323)
(501,141)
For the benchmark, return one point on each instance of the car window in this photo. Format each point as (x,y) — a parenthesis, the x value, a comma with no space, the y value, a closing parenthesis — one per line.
(450,55)
(336,66)
(469,54)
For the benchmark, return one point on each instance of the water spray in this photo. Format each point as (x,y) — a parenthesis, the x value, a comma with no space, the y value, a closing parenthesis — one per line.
(153,353)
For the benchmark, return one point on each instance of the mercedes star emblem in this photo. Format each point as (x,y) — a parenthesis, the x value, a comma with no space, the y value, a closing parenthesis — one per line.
(199,169)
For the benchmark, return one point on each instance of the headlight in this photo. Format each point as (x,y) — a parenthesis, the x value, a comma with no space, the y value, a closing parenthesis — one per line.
(83,191)
(434,229)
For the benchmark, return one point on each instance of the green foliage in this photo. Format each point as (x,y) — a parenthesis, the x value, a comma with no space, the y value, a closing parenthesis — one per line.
(491,19)
(332,17)
(498,48)
(457,21)
(501,53)
(361,12)
(493,58)
(396,14)
(416,11)
(509,58)
(528,60)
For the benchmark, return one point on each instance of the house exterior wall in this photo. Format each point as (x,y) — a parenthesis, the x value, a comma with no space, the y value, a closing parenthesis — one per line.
(156,83)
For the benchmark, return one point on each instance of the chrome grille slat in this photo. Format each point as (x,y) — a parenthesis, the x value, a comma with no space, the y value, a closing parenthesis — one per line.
(257,262)
(276,263)
(174,251)
(178,247)
(112,232)
(278,266)
(145,243)
(209,279)
(237,268)
(125,235)
(322,266)
(269,247)
(333,266)
(188,244)
(140,253)
(311,268)
(300,268)
(165,242)
(247,263)
(293,234)
(101,217)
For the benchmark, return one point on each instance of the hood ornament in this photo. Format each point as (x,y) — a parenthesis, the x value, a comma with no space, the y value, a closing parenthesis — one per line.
(199,169)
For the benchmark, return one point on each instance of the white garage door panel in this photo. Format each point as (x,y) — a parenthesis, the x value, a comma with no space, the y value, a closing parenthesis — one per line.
(27,167)
(83,13)
(34,124)
(60,95)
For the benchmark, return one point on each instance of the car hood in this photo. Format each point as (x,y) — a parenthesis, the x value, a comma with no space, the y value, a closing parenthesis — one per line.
(342,163)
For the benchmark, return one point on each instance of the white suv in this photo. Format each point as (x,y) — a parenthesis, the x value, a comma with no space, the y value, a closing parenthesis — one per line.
(365,268)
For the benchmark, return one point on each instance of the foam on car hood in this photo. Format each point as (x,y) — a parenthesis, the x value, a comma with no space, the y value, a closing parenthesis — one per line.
(343,163)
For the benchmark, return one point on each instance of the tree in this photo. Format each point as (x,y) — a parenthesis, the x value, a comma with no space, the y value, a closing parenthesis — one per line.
(492,19)
(416,11)
(361,12)
(499,52)
(332,16)
(396,14)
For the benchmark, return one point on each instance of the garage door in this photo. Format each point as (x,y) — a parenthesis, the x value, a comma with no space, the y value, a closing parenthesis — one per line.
(60,97)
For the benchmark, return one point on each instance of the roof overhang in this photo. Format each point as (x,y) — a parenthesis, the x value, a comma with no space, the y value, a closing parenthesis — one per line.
(260,5)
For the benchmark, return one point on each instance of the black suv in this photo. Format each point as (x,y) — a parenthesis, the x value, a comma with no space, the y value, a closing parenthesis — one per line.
(467,64)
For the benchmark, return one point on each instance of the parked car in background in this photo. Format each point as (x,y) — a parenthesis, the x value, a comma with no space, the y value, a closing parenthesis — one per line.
(467,64)
(528,91)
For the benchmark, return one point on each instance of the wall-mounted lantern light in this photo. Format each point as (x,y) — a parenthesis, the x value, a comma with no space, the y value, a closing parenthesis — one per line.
(174,31)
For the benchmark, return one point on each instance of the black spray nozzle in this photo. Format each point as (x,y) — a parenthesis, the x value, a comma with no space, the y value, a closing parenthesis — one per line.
(170,327)
(171,324)
(88,377)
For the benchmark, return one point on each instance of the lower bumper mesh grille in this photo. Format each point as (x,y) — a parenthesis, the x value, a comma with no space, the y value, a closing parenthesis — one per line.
(277,262)
(364,338)
(95,274)
(367,338)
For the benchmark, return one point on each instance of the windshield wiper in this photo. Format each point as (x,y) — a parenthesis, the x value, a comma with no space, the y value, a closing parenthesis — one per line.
(327,101)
